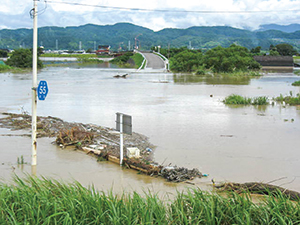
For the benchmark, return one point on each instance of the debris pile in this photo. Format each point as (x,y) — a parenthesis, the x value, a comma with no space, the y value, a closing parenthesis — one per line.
(143,165)
(102,142)
(74,136)
(179,174)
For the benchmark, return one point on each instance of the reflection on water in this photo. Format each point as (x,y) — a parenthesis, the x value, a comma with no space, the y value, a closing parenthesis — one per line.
(78,65)
(189,124)
(277,69)
(214,80)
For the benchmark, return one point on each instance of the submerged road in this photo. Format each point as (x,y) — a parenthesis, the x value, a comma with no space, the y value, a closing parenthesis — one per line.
(154,61)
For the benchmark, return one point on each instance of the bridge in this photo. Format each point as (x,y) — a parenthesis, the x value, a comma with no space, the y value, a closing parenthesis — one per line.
(154,62)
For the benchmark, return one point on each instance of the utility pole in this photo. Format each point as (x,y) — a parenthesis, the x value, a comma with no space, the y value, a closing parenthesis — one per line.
(34,87)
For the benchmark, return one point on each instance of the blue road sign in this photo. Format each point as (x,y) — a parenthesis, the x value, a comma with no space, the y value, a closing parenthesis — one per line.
(42,90)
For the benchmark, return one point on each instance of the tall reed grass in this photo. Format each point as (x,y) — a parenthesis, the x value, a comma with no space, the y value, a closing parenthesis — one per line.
(45,201)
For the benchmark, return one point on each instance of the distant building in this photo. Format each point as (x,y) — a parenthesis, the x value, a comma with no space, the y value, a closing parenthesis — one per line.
(275,60)
(103,49)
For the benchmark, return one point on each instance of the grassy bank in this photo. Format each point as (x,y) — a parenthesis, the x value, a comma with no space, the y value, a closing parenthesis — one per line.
(138,60)
(240,100)
(10,69)
(44,201)
(129,60)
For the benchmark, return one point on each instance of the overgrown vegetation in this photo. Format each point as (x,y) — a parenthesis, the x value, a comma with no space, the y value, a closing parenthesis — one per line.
(122,59)
(296,83)
(45,201)
(218,60)
(138,60)
(3,54)
(5,68)
(22,58)
(290,100)
(240,100)
(129,59)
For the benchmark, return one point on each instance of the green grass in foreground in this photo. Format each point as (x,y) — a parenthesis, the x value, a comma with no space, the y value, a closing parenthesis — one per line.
(45,201)
(240,100)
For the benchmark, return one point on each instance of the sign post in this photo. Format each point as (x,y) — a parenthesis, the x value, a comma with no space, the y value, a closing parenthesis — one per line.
(121,139)
(42,90)
(34,86)
(124,125)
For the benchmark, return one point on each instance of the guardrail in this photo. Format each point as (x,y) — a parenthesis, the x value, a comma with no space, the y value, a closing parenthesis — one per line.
(166,61)
(144,63)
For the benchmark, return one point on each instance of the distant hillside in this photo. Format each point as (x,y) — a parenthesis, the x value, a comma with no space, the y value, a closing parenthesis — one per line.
(123,34)
(284,28)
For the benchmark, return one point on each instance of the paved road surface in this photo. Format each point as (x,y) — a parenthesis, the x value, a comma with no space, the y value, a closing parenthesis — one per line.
(154,61)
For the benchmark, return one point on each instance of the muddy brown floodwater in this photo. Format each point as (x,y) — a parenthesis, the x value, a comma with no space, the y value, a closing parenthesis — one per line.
(185,118)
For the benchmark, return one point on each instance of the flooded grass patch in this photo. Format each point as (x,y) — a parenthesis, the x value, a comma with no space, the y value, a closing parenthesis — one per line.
(290,100)
(10,69)
(240,100)
(45,201)
(296,83)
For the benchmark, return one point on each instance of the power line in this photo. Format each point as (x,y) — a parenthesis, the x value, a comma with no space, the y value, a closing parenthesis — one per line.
(172,10)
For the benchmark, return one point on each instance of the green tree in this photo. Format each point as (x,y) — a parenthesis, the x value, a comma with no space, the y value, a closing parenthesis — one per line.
(186,61)
(256,50)
(3,53)
(22,58)
(274,53)
(234,58)
(89,50)
(286,49)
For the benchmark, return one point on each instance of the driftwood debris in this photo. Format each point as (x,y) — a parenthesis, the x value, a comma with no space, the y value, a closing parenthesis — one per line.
(73,136)
(141,166)
(121,76)
(179,174)
(102,142)
(259,188)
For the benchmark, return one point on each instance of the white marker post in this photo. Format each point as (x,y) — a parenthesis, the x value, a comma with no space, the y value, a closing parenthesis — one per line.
(123,125)
(121,138)
(34,87)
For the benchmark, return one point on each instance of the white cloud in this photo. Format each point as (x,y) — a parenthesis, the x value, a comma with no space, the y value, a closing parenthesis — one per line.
(15,13)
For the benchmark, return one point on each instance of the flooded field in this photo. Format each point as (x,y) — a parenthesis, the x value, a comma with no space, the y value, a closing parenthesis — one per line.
(184,117)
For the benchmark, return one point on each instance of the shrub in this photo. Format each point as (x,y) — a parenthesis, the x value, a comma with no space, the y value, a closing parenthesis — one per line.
(296,83)
(22,58)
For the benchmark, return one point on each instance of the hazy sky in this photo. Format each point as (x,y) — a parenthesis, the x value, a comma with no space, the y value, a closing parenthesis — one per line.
(178,14)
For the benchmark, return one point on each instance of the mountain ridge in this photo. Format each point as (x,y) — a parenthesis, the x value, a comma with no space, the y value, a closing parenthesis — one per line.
(123,34)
